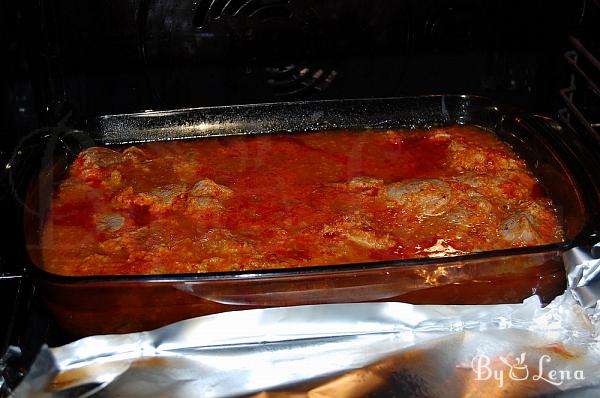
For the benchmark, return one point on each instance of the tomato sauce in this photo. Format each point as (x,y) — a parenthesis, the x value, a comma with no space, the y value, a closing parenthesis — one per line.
(293,200)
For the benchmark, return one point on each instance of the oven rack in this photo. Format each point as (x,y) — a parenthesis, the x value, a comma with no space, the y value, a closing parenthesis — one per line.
(582,96)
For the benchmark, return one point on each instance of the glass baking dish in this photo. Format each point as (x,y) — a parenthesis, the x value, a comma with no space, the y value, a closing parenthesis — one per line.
(109,304)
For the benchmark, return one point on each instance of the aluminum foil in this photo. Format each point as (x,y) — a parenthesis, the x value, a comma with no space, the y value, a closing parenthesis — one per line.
(583,274)
(347,350)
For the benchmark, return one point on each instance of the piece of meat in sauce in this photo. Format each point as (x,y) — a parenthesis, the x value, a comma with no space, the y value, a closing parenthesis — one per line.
(528,224)
(421,197)
(504,184)
(162,198)
(97,165)
(358,229)
(470,150)
(207,195)
(110,222)
(357,224)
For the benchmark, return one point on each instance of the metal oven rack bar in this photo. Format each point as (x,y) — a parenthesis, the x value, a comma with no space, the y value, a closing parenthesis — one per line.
(579,106)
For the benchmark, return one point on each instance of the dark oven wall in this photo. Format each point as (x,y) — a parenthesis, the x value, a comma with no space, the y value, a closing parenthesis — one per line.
(99,57)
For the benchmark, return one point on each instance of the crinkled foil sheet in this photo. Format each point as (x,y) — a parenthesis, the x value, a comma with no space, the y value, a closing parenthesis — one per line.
(348,350)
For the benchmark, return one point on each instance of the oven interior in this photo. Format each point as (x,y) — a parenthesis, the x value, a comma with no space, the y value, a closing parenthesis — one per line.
(67,61)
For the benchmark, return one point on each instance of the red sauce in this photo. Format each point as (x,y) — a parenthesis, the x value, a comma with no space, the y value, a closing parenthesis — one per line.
(290,200)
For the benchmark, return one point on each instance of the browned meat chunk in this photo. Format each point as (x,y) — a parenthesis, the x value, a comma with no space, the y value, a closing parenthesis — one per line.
(421,197)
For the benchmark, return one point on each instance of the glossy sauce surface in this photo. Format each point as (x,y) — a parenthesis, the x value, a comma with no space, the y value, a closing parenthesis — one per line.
(293,200)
